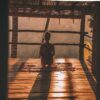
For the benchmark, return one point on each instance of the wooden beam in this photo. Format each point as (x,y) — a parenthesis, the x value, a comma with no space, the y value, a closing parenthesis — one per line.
(41,31)
(46,28)
(96,48)
(47,24)
(3,49)
(24,14)
(14,37)
(63,44)
(71,32)
(24,30)
(49,7)
(82,29)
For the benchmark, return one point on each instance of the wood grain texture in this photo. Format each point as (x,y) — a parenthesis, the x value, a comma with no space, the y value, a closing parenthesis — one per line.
(65,80)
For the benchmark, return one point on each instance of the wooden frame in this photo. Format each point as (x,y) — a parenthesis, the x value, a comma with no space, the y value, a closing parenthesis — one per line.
(3,49)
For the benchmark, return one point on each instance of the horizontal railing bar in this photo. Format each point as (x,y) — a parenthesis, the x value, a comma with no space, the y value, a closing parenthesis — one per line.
(52,31)
(21,43)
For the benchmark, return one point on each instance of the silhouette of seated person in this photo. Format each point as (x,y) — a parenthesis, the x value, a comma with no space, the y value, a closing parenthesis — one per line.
(47,51)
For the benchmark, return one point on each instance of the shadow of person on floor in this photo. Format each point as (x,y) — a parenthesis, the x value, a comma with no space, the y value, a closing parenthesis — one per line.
(40,89)
(47,51)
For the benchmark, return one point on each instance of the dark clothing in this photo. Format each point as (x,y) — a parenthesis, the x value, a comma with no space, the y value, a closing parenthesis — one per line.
(47,52)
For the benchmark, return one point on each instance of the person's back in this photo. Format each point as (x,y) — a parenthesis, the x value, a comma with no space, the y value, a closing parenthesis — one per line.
(47,52)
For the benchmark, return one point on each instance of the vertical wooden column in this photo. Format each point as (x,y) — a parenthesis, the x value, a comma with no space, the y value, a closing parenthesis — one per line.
(82,29)
(14,37)
(3,49)
(94,50)
(46,28)
(96,45)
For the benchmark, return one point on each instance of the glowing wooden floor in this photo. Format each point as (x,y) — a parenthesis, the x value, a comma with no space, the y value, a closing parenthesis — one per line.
(66,80)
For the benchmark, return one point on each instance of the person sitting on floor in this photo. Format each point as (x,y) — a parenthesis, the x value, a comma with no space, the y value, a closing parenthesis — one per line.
(47,51)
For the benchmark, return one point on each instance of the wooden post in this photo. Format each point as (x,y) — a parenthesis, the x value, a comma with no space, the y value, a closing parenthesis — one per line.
(94,50)
(3,49)
(96,45)
(46,28)
(14,37)
(82,29)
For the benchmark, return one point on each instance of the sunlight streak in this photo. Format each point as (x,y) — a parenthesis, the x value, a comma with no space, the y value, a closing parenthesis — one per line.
(60,60)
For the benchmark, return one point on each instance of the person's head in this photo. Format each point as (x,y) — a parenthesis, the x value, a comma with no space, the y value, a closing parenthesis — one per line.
(47,36)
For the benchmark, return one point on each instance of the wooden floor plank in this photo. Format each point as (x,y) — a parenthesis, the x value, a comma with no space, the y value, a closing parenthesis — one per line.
(66,80)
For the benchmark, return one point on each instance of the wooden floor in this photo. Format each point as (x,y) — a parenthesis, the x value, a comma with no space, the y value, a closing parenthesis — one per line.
(65,80)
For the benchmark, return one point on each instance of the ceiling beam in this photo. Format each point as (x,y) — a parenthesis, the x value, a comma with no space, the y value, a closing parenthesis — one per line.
(49,7)
(44,15)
